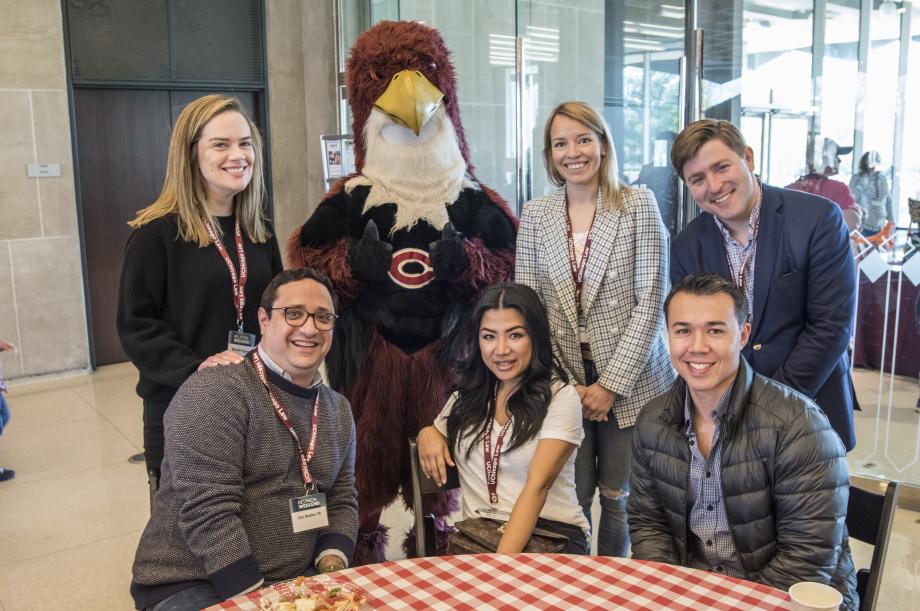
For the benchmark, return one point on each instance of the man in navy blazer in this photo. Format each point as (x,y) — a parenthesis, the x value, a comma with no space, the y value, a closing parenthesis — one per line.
(789,251)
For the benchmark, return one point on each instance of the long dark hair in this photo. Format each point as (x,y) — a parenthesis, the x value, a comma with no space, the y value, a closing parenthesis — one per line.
(865,164)
(474,408)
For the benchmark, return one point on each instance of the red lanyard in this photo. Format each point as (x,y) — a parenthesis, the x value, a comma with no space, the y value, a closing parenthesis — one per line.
(239,284)
(305,457)
(740,277)
(579,268)
(492,459)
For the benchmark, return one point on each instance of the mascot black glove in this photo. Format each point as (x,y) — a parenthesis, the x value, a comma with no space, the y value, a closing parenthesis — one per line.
(448,257)
(370,257)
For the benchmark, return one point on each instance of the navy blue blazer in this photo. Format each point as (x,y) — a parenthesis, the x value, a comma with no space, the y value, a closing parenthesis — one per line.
(804,296)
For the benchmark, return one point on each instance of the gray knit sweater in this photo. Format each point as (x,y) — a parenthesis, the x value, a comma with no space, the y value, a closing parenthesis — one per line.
(222,511)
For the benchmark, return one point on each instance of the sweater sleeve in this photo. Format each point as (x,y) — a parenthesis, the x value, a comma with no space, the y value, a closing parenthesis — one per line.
(206,445)
(277,261)
(152,345)
(342,499)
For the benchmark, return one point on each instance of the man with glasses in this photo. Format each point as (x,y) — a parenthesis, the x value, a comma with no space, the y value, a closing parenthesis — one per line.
(258,476)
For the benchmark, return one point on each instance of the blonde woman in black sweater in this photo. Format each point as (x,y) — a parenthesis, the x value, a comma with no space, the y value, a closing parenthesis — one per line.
(179,306)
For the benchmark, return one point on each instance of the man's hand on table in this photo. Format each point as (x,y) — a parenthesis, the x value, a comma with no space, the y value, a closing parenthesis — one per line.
(330,563)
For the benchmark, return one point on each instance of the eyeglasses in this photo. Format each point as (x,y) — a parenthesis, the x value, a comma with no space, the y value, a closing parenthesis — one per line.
(297,317)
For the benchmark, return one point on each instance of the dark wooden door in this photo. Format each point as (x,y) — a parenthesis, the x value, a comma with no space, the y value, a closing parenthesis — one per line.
(122,139)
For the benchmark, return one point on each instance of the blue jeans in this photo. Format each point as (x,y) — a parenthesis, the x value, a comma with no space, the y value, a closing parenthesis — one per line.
(194,598)
(602,463)
(4,412)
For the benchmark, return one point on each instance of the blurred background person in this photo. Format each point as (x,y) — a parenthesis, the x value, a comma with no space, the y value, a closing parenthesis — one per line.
(596,253)
(5,474)
(198,260)
(513,404)
(826,163)
(661,179)
(870,191)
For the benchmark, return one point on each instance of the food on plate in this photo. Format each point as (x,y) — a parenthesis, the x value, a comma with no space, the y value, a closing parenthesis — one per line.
(304,594)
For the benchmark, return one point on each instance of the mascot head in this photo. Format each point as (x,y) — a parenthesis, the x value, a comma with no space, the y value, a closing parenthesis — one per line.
(402,88)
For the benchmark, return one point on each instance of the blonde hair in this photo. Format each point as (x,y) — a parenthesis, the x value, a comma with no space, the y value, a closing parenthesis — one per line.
(609,184)
(184,192)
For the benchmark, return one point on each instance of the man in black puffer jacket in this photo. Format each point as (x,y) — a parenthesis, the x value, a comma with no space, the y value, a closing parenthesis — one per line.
(733,472)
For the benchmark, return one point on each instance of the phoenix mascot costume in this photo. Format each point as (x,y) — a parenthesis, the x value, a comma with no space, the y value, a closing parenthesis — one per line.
(409,241)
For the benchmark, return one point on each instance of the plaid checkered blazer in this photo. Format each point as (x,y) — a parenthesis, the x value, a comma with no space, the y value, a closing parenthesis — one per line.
(624,290)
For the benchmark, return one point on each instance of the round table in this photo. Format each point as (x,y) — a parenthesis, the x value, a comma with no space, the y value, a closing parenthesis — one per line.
(543,581)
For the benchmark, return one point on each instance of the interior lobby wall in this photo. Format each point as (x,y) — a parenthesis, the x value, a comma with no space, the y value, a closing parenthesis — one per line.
(42,307)
(41,284)
(302,73)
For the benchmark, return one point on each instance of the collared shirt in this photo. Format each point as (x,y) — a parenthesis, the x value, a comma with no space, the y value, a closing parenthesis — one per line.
(741,257)
(281,372)
(712,547)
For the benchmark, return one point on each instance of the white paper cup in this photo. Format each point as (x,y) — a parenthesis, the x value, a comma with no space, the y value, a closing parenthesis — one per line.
(811,596)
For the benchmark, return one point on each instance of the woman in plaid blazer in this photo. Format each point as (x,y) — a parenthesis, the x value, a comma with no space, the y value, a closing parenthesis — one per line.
(596,252)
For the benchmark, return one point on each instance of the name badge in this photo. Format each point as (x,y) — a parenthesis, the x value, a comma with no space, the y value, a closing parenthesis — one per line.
(241,342)
(309,512)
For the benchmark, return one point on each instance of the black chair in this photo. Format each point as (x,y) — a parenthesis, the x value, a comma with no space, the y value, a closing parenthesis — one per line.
(870,517)
(424,524)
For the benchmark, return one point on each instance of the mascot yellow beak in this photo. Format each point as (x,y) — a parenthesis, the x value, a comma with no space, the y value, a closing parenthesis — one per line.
(410,100)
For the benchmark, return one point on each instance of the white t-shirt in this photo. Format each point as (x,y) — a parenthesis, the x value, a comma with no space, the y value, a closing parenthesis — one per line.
(563,421)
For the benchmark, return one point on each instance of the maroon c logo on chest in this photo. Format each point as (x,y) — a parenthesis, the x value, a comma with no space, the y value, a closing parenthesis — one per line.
(410,268)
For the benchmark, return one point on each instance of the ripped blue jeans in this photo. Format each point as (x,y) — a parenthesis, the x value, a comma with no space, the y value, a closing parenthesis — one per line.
(603,463)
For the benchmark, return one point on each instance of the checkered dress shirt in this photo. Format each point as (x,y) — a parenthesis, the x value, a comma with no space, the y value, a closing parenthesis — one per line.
(737,252)
(712,547)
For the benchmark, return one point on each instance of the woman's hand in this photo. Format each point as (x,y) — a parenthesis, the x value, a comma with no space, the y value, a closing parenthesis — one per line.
(433,454)
(6,346)
(227,357)
(596,402)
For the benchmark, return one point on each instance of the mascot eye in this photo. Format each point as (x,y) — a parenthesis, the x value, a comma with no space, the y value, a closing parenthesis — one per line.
(374,76)
(432,67)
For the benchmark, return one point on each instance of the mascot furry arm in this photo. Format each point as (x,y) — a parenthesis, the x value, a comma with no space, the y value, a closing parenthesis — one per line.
(409,241)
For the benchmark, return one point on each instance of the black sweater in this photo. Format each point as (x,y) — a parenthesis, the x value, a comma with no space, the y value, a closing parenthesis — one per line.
(175,301)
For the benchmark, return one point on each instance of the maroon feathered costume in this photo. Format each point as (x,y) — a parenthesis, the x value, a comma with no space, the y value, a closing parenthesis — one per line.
(409,242)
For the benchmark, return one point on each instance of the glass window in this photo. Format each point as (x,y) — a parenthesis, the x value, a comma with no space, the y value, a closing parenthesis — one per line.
(840,72)
(882,85)
(909,172)
(776,48)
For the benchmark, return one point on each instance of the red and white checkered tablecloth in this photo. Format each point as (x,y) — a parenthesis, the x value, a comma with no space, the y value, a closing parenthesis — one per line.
(544,581)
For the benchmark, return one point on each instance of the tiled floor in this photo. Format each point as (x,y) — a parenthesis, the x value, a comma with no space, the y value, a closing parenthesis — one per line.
(889,439)
(70,520)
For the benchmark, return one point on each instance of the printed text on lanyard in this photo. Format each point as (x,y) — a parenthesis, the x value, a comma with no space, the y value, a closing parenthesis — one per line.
(239,283)
(491,459)
(281,412)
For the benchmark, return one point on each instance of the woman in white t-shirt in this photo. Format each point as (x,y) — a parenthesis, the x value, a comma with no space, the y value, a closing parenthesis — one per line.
(514,410)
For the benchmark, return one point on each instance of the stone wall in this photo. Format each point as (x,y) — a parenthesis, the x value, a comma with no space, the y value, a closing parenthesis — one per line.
(302,105)
(41,285)
(42,307)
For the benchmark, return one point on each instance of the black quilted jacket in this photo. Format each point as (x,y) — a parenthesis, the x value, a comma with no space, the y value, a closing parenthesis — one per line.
(785,484)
